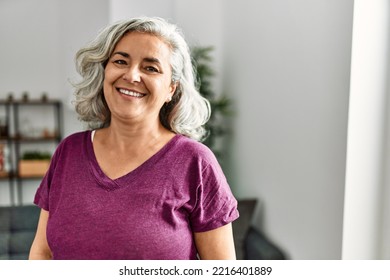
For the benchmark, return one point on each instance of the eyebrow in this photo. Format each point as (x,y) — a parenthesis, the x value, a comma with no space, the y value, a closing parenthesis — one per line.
(152,60)
(122,54)
(147,59)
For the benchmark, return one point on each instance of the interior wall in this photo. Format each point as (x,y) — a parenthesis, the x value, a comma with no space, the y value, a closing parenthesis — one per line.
(287,68)
(28,53)
(38,48)
(29,46)
(125,9)
(39,41)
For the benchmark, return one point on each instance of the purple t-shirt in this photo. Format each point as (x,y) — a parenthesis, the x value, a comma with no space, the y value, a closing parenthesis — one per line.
(150,213)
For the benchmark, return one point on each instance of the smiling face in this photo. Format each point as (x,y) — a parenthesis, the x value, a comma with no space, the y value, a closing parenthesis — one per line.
(138,78)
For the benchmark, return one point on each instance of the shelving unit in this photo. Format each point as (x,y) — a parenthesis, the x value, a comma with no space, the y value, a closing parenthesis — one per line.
(14,139)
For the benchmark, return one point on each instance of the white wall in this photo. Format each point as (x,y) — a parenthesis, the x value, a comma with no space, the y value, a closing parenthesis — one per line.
(125,9)
(29,43)
(39,39)
(284,63)
(287,67)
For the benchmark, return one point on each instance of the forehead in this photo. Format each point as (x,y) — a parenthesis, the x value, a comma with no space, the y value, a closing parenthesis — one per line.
(143,44)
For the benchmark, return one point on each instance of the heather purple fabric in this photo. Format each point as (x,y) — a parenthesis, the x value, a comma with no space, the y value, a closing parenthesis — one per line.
(149,213)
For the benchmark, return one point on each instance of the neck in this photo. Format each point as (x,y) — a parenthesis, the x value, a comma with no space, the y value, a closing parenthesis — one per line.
(127,137)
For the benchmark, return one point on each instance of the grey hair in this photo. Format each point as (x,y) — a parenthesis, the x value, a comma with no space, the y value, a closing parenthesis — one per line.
(185,114)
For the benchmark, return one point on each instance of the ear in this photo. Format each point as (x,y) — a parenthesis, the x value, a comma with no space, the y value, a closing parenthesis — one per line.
(173,87)
(172,90)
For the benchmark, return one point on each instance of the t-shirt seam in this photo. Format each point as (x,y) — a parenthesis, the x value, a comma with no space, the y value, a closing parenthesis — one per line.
(197,200)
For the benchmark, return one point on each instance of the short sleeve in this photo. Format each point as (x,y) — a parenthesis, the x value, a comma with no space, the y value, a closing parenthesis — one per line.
(215,206)
(41,198)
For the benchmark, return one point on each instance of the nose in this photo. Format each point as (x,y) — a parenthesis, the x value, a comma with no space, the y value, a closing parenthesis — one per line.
(132,75)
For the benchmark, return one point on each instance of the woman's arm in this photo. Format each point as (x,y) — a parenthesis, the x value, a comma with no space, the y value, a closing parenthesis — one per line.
(216,244)
(40,250)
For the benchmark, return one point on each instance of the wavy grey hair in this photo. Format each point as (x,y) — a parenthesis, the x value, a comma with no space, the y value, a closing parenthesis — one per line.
(185,114)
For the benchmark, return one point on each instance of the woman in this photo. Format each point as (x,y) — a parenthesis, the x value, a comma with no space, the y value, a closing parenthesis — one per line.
(137,185)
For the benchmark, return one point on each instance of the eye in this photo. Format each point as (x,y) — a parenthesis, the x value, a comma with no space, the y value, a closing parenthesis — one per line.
(120,62)
(152,69)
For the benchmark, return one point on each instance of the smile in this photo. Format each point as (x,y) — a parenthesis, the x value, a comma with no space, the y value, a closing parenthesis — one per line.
(131,93)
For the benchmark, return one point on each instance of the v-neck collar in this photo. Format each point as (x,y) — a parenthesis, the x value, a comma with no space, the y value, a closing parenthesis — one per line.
(112,184)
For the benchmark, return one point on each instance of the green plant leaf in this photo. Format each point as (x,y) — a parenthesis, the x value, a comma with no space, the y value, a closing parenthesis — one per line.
(221,106)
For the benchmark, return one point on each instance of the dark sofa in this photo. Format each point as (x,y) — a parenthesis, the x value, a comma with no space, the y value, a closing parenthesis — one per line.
(250,242)
(18,225)
(17,230)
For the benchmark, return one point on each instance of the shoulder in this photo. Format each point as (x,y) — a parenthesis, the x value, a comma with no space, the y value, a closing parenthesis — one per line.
(73,141)
(193,156)
(75,137)
(194,149)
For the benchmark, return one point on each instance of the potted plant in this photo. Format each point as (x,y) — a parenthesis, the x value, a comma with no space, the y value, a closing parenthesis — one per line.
(34,164)
(220,105)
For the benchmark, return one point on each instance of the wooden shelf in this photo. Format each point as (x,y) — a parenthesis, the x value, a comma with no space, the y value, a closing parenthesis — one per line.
(14,109)
(9,176)
(4,175)
(30,139)
(30,102)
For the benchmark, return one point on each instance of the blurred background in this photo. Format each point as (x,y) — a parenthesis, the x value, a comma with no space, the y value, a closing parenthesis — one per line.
(307,83)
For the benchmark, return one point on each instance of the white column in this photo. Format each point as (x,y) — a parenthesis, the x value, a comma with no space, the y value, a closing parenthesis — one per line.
(366,130)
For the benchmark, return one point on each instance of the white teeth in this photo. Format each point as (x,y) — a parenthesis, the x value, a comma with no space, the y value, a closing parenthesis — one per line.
(130,93)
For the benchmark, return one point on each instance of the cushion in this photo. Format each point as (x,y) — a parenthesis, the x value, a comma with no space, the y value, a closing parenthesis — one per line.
(246,208)
(17,230)
(258,247)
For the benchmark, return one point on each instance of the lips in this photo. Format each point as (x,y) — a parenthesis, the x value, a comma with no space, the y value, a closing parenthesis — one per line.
(131,93)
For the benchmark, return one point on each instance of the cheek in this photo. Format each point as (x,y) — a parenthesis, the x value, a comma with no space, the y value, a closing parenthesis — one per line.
(108,81)
(166,86)
(106,88)
(111,74)
(107,75)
